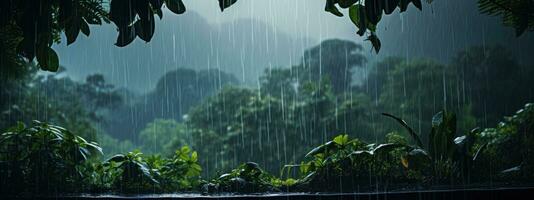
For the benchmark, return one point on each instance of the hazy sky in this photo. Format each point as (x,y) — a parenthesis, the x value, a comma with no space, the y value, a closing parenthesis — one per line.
(253,35)
(301,18)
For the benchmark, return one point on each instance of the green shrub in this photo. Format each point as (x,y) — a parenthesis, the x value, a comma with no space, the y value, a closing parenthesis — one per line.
(43,158)
(509,155)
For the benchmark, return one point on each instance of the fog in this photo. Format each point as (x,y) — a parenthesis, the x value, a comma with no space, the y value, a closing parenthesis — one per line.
(267,97)
(254,35)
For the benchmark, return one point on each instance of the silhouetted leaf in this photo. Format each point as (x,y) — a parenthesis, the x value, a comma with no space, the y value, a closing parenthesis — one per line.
(48,59)
(346,3)
(331,7)
(159,13)
(417,4)
(84,27)
(375,42)
(72,31)
(145,28)
(156,4)
(373,11)
(176,6)
(223,4)
(126,36)
(143,9)
(357,16)
(94,21)
(403,5)
(390,6)
(122,13)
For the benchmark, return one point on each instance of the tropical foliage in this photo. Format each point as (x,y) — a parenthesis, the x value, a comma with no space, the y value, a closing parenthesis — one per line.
(342,164)
(518,14)
(36,158)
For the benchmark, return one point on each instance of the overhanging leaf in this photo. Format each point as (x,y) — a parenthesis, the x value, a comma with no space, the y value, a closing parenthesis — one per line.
(331,8)
(390,6)
(144,28)
(373,11)
(84,27)
(357,16)
(48,59)
(375,42)
(417,4)
(71,32)
(126,36)
(122,12)
(223,4)
(175,6)
(346,3)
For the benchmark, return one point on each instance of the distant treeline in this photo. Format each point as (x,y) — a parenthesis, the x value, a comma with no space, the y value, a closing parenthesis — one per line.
(306,104)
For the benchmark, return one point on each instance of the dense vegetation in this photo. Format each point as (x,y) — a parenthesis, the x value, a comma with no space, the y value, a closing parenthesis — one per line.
(342,164)
(308,127)
(235,130)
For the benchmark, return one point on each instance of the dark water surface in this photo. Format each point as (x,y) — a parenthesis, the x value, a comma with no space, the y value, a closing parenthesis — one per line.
(482,194)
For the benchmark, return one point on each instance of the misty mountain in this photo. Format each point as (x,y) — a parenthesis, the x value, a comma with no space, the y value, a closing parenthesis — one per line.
(175,93)
(446,27)
(243,47)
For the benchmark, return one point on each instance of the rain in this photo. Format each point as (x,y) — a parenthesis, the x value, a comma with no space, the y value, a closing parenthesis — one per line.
(324,99)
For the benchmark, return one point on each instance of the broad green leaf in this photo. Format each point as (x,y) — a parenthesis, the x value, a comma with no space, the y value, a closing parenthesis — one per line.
(412,133)
(354,14)
(441,138)
(117,158)
(321,149)
(417,159)
(194,156)
(341,139)
(386,148)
